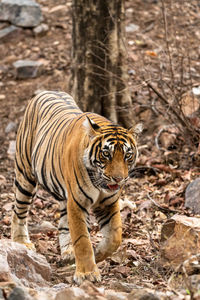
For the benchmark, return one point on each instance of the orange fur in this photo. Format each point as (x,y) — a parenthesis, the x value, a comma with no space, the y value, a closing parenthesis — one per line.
(83,160)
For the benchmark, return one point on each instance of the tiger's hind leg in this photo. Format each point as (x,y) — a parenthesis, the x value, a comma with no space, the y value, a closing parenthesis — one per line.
(24,191)
(65,243)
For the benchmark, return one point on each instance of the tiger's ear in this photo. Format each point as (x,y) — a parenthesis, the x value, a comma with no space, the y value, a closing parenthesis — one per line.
(136,130)
(91,127)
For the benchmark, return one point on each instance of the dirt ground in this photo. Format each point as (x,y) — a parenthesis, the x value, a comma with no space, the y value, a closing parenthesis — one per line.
(138,260)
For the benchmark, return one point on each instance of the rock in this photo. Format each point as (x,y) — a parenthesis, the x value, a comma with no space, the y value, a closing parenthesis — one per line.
(189,104)
(19,294)
(11,149)
(7,33)
(142,294)
(94,292)
(24,13)
(192,196)
(27,68)
(45,227)
(10,127)
(123,286)
(23,266)
(180,242)
(41,30)
(131,27)
(87,291)
(112,295)
(71,294)
(6,289)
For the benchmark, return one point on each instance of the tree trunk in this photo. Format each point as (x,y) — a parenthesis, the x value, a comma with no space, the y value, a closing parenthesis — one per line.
(99,73)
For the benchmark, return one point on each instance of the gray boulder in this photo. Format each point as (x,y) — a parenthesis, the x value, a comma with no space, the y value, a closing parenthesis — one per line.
(7,33)
(27,68)
(192,196)
(24,13)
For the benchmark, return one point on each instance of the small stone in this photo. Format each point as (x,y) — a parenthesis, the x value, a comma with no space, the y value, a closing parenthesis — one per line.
(45,226)
(12,149)
(196,90)
(131,72)
(7,33)
(10,127)
(192,196)
(131,27)
(24,13)
(41,30)
(2,97)
(27,68)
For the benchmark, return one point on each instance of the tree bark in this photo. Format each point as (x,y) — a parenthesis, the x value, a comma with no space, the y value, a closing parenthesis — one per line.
(99,74)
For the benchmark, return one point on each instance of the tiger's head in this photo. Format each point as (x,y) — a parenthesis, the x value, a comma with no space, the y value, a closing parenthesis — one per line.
(111,154)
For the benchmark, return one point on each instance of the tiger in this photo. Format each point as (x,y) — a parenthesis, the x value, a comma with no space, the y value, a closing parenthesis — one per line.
(83,160)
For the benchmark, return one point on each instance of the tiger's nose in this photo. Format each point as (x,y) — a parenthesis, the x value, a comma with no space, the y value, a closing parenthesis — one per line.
(118,178)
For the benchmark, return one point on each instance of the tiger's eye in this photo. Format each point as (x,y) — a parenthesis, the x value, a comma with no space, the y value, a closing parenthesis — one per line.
(128,155)
(106,153)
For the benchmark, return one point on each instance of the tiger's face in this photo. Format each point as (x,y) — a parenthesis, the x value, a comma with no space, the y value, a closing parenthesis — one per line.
(111,155)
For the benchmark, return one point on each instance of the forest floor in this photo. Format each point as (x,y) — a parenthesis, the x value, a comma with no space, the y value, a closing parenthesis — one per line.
(166,170)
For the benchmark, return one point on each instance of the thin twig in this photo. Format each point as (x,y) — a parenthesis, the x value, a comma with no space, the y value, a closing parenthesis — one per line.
(167,44)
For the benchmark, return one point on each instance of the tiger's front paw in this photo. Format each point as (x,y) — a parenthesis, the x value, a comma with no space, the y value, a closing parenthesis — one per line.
(93,276)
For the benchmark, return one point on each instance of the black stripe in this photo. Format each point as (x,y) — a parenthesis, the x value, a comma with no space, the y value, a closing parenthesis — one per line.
(63,228)
(53,167)
(18,167)
(91,150)
(84,193)
(103,217)
(80,206)
(106,198)
(57,197)
(112,203)
(75,121)
(63,214)
(81,236)
(23,202)
(26,177)
(107,221)
(22,190)
(112,139)
(19,217)
(21,213)
(31,181)
(99,212)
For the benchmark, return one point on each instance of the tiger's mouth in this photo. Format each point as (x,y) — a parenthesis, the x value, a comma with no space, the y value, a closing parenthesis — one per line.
(113,187)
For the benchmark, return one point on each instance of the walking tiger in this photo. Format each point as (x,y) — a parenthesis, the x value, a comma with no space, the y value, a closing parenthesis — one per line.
(83,160)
